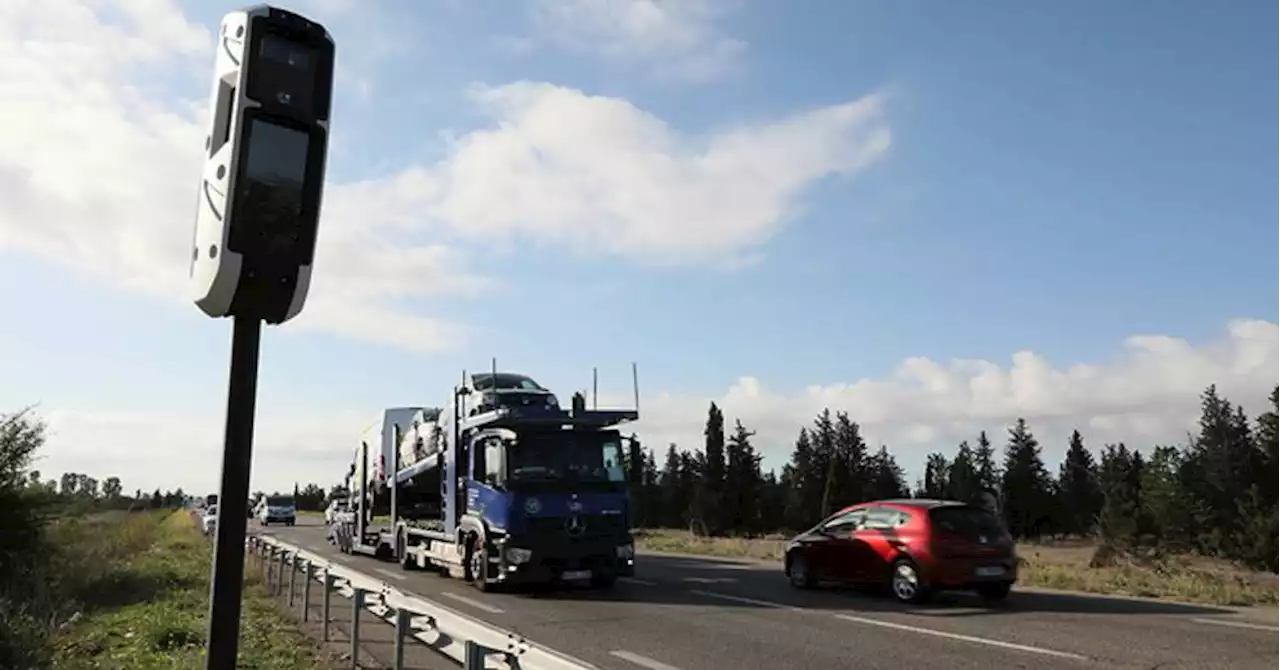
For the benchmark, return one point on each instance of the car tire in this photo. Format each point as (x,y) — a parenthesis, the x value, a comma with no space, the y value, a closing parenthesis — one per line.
(995,592)
(798,572)
(905,583)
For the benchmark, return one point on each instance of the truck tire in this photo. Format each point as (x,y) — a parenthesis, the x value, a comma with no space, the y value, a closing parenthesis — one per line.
(407,563)
(478,564)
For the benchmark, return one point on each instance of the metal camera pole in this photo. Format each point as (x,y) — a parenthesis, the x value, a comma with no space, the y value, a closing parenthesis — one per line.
(251,259)
(233,495)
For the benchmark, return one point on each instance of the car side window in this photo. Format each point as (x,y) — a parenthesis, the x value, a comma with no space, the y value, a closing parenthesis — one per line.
(849,521)
(883,518)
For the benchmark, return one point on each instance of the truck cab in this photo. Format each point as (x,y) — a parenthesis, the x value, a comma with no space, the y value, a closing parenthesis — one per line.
(550,503)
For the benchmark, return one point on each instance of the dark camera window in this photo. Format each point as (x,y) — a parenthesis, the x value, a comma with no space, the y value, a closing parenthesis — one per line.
(280,50)
(274,171)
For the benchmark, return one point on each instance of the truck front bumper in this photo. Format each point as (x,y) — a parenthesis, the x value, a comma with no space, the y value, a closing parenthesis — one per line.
(528,562)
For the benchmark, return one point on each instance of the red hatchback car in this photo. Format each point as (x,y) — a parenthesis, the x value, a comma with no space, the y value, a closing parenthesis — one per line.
(913,546)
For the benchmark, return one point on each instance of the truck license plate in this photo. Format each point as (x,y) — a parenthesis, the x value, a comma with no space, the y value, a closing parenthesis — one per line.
(575,575)
(991,571)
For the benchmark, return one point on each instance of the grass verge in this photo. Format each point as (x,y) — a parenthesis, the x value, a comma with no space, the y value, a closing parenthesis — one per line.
(1064,566)
(141,585)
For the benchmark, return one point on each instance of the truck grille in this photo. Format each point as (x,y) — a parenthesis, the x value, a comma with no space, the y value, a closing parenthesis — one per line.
(594,526)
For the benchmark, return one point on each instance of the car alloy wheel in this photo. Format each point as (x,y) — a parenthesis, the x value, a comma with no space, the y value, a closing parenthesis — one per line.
(906,582)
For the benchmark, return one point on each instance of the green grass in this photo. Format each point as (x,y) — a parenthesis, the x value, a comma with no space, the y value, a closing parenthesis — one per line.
(1064,566)
(141,582)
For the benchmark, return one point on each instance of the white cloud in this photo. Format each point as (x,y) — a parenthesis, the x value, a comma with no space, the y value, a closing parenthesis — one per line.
(1147,395)
(678,40)
(98,170)
(148,451)
(598,172)
(98,163)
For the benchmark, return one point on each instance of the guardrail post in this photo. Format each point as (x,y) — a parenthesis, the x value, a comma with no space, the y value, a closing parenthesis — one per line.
(402,631)
(306,590)
(293,577)
(270,560)
(280,581)
(324,607)
(473,656)
(357,604)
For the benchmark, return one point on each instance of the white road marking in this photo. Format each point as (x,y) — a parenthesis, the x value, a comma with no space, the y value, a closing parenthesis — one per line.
(642,661)
(963,638)
(1238,624)
(393,575)
(473,602)
(715,566)
(344,559)
(710,580)
(637,582)
(749,601)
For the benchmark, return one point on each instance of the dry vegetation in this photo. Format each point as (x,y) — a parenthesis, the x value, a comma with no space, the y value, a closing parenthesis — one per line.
(1065,565)
(140,583)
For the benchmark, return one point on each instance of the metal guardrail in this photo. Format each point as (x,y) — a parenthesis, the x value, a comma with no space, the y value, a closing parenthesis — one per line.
(474,644)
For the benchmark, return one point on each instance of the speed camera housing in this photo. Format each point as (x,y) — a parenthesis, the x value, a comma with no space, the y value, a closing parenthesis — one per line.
(259,196)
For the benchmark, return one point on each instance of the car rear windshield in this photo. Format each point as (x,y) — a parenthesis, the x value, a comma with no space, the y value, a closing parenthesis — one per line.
(506,381)
(280,501)
(964,521)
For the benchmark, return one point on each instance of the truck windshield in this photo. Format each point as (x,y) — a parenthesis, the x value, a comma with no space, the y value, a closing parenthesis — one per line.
(566,456)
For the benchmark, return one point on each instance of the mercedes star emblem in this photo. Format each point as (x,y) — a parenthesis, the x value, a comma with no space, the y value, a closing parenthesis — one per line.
(575,525)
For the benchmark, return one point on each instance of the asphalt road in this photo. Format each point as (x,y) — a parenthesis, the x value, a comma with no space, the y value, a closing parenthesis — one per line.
(687,613)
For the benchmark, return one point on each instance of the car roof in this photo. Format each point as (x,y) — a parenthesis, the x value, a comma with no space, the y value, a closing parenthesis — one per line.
(917,503)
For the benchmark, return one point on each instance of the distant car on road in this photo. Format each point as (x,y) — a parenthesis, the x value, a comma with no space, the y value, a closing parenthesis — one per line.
(209,520)
(336,506)
(277,509)
(914,546)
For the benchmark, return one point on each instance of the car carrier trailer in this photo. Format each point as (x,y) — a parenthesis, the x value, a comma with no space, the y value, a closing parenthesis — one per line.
(507,488)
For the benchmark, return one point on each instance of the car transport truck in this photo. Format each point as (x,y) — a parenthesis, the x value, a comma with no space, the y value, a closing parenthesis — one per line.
(503,487)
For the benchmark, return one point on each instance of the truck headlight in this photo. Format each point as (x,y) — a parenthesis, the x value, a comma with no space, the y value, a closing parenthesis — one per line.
(626,551)
(518,555)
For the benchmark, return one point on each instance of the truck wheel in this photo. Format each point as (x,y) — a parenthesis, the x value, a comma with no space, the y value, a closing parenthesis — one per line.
(407,563)
(478,564)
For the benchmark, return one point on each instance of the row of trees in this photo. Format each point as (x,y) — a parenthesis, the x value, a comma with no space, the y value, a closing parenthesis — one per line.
(1215,494)
(87,492)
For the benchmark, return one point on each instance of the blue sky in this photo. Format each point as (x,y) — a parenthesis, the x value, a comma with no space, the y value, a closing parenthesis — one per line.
(1052,179)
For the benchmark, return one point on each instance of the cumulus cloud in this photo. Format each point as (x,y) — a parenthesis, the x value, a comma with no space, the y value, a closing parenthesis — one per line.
(150,451)
(677,40)
(598,172)
(1148,394)
(102,107)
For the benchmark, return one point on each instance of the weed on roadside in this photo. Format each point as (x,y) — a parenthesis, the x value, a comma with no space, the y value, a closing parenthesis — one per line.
(149,609)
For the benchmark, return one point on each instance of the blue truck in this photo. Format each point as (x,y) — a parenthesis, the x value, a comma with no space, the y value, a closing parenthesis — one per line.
(503,487)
